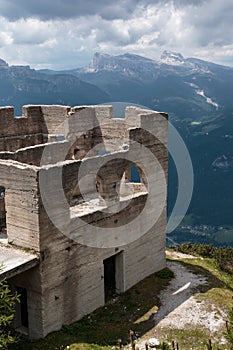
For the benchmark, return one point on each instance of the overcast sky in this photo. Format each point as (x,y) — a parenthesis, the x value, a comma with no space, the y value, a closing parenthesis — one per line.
(66,33)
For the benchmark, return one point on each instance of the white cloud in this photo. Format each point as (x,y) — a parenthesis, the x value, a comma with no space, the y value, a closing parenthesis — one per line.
(30,31)
(195,28)
(5,39)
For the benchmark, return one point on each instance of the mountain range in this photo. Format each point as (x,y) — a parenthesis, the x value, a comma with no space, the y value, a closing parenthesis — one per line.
(21,85)
(196,94)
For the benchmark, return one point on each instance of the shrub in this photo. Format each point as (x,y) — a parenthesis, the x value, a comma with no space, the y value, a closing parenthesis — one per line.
(165,273)
(7,302)
(224,260)
(222,256)
(229,326)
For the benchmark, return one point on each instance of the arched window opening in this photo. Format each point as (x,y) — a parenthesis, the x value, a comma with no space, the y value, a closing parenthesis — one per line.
(134,174)
(133,181)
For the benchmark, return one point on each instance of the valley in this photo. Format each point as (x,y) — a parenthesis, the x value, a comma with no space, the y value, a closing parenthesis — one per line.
(198,98)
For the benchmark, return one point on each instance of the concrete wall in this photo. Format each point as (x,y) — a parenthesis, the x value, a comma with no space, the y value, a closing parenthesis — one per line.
(69,282)
(73,273)
(30,129)
(21,203)
(31,281)
(35,120)
(33,155)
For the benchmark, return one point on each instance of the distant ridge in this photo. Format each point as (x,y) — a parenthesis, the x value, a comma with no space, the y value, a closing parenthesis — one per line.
(197,96)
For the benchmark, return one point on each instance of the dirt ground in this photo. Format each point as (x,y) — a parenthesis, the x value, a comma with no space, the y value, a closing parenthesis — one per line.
(180,309)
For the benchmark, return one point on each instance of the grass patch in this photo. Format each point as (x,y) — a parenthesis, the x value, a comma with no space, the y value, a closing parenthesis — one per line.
(135,310)
(85,346)
(132,310)
(189,339)
(219,290)
(217,295)
(221,297)
(208,266)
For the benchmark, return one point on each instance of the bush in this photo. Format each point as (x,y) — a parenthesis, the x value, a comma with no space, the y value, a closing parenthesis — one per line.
(229,332)
(205,250)
(165,273)
(222,256)
(7,302)
(224,260)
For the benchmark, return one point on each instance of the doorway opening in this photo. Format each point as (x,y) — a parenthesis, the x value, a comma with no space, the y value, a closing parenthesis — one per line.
(113,276)
(23,312)
(2,211)
(109,278)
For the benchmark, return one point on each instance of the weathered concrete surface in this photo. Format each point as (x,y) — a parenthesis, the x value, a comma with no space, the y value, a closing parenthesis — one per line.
(69,281)
(14,261)
(36,123)
(21,203)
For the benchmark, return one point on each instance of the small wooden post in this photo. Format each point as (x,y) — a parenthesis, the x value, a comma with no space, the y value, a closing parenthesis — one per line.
(209,346)
(132,340)
(119,341)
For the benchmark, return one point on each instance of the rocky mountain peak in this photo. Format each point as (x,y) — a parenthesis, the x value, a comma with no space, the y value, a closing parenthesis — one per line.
(173,58)
(128,64)
(99,61)
(3,63)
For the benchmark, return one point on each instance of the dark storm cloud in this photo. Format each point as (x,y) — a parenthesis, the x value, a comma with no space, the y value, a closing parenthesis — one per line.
(65,9)
(213,22)
(36,31)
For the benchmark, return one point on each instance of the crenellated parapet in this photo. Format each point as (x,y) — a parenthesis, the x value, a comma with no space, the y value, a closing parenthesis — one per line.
(33,127)
(34,120)
(68,193)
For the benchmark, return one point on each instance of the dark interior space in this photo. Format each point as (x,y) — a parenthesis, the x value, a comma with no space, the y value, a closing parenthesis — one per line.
(2,210)
(23,306)
(109,277)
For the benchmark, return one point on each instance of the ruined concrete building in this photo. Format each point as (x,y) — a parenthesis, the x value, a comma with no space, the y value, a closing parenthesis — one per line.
(69,242)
